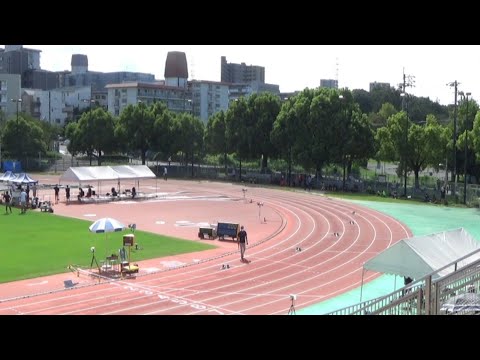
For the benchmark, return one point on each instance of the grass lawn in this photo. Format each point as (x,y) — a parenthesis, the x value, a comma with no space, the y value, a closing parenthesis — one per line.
(38,244)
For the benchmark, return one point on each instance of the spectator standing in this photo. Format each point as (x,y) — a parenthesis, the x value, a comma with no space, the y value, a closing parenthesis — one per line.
(57,191)
(67,194)
(23,201)
(8,203)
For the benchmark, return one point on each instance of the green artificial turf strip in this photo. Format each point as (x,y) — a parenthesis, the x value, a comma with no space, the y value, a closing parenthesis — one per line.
(39,243)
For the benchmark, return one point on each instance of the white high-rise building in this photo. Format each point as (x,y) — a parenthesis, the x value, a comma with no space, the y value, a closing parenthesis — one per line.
(56,105)
(208,97)
(9,89)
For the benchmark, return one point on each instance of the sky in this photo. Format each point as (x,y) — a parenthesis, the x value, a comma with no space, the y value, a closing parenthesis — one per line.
(295,67)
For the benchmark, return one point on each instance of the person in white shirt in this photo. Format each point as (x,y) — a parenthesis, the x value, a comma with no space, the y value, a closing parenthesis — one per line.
(23,201)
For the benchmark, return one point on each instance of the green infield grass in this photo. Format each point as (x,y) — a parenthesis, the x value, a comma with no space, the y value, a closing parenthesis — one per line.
(39,243)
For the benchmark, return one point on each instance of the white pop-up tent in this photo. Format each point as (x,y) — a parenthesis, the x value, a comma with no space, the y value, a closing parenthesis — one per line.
(24,178)
(103,173)
(419,256)
(89,174)
(8,176)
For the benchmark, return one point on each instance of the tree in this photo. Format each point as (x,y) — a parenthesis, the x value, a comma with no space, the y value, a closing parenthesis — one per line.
(379,119)
(417,146)
(420,107)
(263,110)
(476,142)
(3,120)
(284,134)
(163,128)
(72,134)
(135,129)
(215,136)
(465,125)
(24,137)
(189,136)
(94,134)
(51,132)
(104,136)
(240,130)
(363,99)
(323,113)
(426,146)
(380,96)
(361,145)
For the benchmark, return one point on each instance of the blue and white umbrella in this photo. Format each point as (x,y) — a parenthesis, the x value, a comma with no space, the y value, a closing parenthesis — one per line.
(105,225)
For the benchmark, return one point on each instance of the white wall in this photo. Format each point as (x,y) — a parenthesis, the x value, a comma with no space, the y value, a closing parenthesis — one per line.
(176,82)
(209,93)
(9,89)
(53,103)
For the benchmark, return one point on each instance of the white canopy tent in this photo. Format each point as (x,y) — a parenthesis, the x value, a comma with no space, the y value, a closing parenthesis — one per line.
(134,172)
(24,178)
(137,172)
(103,173)
(8,176)
(88,174)
(419,256)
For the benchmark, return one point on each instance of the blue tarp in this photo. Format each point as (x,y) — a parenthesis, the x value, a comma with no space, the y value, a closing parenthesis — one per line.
(14,166)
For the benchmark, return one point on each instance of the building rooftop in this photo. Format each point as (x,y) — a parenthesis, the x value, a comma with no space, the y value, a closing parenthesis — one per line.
(136,84)
(211,82)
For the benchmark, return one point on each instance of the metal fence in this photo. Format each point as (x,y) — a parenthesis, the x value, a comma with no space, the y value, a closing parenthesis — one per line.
(457,293)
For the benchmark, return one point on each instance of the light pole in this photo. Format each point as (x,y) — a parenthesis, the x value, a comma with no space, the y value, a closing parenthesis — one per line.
(403,95)
(260,204)
(408,81)
(455,85)
(140,102)
(343,142)
(18,101)
(466,147)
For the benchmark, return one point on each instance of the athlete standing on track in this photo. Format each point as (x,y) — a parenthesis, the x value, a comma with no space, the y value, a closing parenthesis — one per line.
(242,241)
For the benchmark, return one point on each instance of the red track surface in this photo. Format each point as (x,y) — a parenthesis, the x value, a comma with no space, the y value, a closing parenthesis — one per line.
(325,267)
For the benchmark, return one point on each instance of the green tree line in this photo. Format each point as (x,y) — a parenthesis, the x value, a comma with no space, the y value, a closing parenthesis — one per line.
(312,130)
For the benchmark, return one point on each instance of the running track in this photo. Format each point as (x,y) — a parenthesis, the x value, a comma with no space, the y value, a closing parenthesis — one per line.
(325,267)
